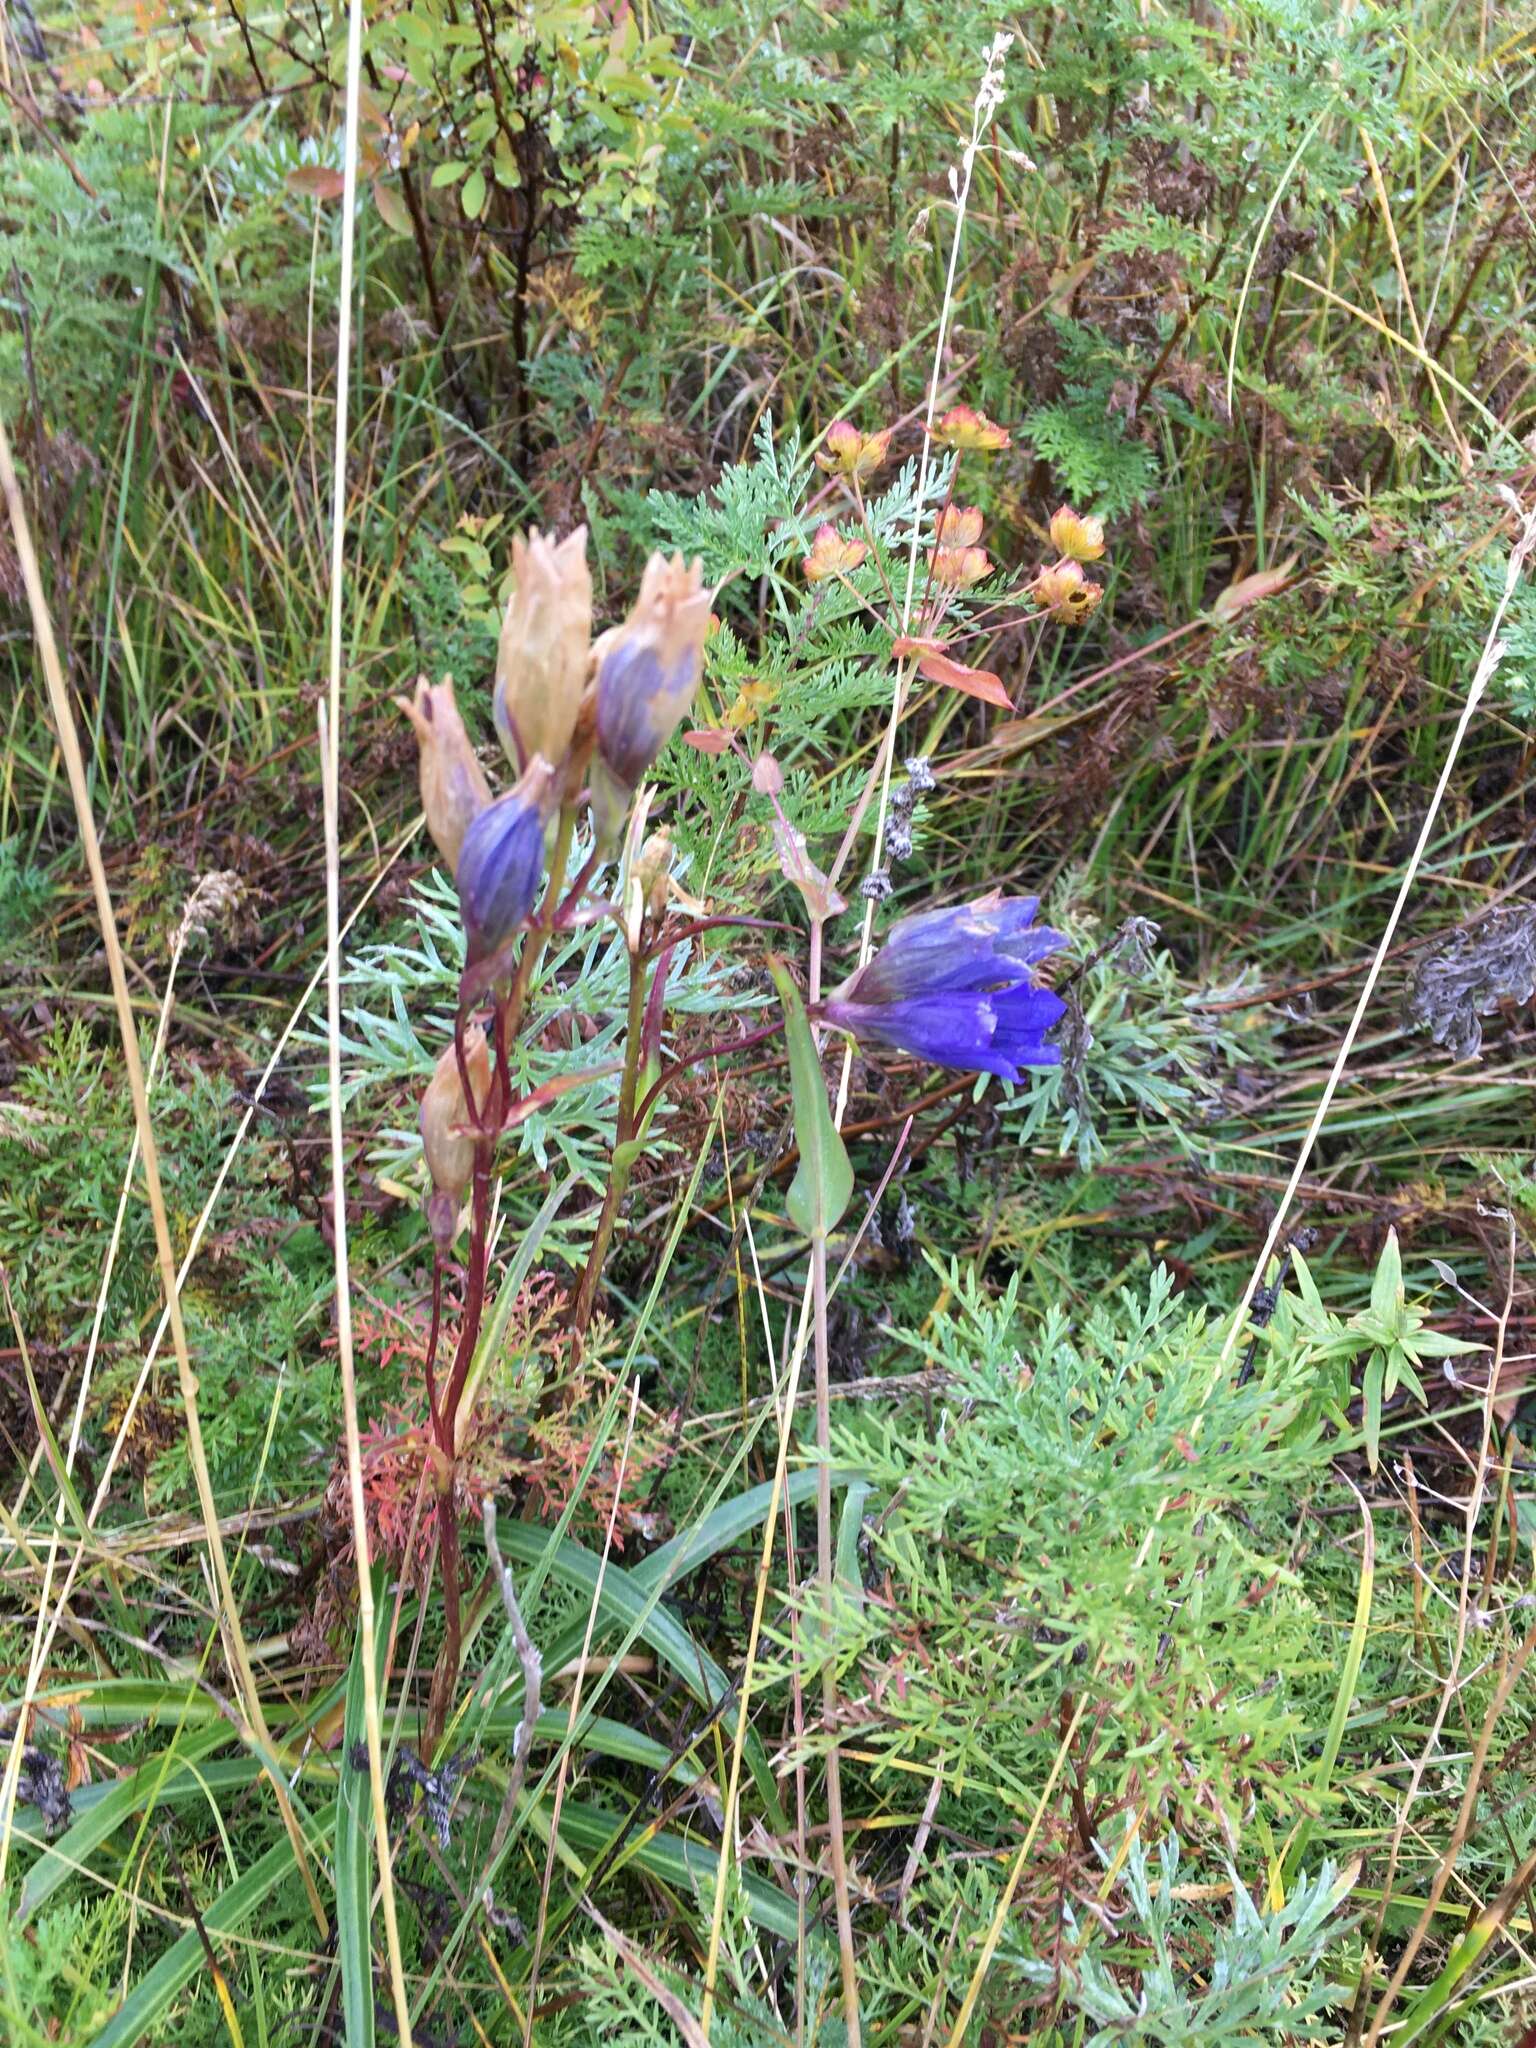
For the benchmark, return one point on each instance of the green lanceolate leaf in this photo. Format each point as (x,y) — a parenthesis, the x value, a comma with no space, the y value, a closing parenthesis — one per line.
(823,1184)
(1387,1286)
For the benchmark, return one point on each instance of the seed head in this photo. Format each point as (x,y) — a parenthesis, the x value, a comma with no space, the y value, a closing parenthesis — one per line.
(959,526)
(964,428)
(847,452)
(959,568)
(832,555)
(1064,593)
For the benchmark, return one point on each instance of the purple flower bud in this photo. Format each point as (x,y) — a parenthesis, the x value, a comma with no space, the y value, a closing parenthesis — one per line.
(955,987)
(647,672)
(501,864)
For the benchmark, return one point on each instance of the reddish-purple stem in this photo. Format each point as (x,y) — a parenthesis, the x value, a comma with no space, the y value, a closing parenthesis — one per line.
(433,1333)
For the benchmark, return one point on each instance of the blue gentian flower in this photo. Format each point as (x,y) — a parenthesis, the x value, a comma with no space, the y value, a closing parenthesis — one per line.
(501,863)
(955,987)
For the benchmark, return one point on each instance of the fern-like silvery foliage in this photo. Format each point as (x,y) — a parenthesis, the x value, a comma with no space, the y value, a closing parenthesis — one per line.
(400,1016)
(1264,1979)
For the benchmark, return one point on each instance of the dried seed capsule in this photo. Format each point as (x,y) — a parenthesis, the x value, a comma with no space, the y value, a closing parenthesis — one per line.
(541,660)
(454,790)
(447,1132)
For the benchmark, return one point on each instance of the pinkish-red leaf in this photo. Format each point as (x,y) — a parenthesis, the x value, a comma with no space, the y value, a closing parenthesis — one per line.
(542,1096)
(976,682)
(1252,590)
(712,739)
(315,181)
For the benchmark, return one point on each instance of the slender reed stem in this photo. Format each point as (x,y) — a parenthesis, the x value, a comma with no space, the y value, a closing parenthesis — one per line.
(821,1353)
(624,1131)
(445,1674)
(434,1332)
(837,1848)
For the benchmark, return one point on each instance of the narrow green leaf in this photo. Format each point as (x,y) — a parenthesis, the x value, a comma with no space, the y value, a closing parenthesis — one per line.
(631,1599)
(1371,1392)
(1343,1699)
(823,1184)
(142,2014)
(100,1810)
(1306,1286)
(1430,1344)
(690,1866)
(353,1857)
(849,1528)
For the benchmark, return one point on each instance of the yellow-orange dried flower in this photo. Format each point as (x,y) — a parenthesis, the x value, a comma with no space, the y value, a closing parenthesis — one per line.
(1076,536)
(965,428)
(847,452)
(1064,593)
(959,568)
(832,555)
(959,526)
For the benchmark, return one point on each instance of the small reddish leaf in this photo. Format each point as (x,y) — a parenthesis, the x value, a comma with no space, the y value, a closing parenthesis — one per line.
(912,643)
(710,739)
(976,682)
(315,181)
(540,1098)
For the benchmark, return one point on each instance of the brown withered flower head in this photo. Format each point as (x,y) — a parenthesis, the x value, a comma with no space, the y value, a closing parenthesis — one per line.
(447,1132)
(454,790)
(542,656)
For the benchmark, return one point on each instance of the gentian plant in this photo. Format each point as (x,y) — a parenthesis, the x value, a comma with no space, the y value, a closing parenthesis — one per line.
(581,722)
(582,717)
